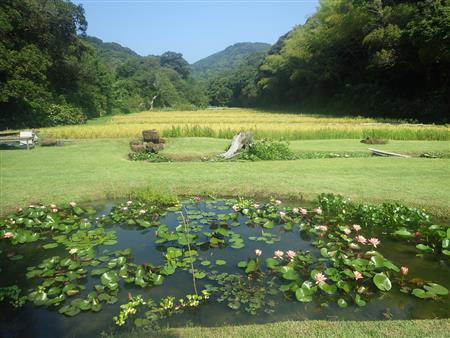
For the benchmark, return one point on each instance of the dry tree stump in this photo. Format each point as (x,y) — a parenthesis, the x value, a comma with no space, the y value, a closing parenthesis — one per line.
(240,141)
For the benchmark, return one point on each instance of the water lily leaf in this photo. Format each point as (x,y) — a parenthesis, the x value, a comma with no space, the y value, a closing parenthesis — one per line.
(424,248)
(269,225)
(69,310)
(199,274)
(82,304)
(289,273)
(344,286)
(98,272)
(382,282)
(252,266)
(328,288)
(50,245)
(359,301)
(272,263)
(420,293)
(205,262)
(436,289)
(109,279)
(38,297)
(220,262)
(324,252)
(403,233)
(303,295)
(242,264)
(342,303)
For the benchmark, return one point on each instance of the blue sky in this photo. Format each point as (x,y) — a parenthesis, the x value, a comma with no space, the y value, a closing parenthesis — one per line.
(196,28)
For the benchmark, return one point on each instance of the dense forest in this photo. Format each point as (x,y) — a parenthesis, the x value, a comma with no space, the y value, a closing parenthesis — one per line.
(368,57)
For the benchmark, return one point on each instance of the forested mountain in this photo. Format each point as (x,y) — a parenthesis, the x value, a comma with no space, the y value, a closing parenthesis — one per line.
(227,60)
(111,53)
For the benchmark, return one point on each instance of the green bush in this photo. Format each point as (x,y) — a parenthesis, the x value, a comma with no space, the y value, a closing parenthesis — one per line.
(62,114)
(267,150)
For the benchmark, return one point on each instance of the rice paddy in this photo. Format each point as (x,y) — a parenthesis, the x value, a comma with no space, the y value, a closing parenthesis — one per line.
(224,123)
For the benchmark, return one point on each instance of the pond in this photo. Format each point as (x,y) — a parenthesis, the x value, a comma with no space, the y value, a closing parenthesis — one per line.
(66,270)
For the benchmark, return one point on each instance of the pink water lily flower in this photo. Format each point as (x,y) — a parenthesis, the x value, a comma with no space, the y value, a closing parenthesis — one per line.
(197,199)
(357,227)
(53,206)
(278,202)
(295,210)
(258,252)
(142,211)
(318,211)
(291,254)
(73,204)
(374,241)
(404,270)
(357,275)
(361,239)
(282,214)
(129,202)
(235,207)
(8,235)
(54,210)
(322,227)
(320,277)
(347,231)
(303,211)
(256,206)
(278,254)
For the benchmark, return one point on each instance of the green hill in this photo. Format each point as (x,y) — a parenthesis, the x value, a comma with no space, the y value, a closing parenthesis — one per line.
(228,59)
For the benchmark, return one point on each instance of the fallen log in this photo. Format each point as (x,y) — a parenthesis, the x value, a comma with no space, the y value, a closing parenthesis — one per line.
(240,141)
(378,152)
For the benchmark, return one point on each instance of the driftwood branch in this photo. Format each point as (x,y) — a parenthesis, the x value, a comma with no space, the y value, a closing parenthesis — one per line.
(153,101)
(240,141)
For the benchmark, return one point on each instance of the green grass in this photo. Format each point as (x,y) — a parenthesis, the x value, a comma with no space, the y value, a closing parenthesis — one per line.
(224,123)
(96,169)
(311,328)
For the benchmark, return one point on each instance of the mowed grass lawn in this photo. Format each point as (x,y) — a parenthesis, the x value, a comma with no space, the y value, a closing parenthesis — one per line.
(86,170)
(310,329)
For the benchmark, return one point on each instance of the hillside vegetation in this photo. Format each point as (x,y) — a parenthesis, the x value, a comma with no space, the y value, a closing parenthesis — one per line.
(228,59)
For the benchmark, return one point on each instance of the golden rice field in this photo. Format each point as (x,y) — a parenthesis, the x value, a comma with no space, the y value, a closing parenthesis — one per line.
(224,123)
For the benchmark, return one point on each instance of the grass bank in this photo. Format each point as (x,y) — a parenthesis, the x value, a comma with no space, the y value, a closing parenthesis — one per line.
(311,328)
(224,123)
(95,169)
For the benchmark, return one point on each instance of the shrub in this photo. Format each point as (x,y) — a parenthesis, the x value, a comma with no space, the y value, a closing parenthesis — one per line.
(145,156)
(63,114)
(267,150)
